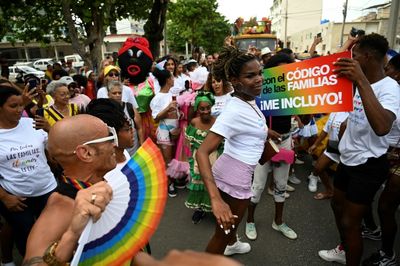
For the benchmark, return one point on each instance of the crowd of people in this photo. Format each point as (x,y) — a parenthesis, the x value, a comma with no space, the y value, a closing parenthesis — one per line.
(61,136)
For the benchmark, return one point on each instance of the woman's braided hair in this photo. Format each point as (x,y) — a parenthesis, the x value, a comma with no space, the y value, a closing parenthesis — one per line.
(230,62)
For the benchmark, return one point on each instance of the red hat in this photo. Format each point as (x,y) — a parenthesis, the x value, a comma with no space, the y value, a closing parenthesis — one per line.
(138,42)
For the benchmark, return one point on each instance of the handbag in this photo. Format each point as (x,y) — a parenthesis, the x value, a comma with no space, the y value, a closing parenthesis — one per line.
(270,150)
(333,145)
(284,155)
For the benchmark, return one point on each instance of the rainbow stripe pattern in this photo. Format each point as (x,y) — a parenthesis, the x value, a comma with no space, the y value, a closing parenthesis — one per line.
(306,87)
(146,177)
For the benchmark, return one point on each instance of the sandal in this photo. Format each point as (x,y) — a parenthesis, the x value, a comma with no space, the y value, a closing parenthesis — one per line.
(323,195)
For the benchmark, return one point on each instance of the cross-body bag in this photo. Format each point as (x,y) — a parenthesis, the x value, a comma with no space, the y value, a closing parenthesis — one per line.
(333,145)
(284,155)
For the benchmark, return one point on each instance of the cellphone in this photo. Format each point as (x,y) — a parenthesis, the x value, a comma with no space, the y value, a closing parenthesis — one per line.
(40,112)
(319,35)
(32,84)
(174,97)
(353,32)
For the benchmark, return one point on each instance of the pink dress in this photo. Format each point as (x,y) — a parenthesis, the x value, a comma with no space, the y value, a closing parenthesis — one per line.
(179,166)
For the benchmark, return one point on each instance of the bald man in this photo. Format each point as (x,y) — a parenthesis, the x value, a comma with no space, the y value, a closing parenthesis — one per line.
(85,147)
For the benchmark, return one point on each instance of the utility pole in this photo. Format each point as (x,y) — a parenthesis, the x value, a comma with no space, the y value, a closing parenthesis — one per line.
(393,20)
(286,22)
(344,22)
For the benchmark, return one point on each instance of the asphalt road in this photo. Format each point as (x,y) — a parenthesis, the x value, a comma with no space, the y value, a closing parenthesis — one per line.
(312,220)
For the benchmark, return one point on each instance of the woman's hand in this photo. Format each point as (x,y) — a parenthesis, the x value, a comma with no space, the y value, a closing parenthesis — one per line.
(28,95)
(14,203)
(272,134)
(41,123)
(223,214)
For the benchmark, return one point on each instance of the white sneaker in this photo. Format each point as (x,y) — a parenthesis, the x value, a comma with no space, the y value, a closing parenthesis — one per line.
(285,230)
(251,231)
(237,248)
(290,188)
(312,183)
(294,180)
(337,255)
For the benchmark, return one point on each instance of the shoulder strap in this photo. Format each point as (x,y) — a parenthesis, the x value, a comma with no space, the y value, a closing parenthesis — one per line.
(131,113)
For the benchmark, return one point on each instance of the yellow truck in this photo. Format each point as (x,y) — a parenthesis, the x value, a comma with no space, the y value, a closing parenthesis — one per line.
(258,40)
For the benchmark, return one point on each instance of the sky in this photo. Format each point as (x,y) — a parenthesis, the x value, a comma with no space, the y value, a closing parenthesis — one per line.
(332,9)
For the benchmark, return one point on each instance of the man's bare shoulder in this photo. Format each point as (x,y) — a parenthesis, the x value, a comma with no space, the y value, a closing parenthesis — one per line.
(50,226)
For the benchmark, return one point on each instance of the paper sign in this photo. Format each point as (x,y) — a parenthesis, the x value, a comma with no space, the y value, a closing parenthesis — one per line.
(306,87)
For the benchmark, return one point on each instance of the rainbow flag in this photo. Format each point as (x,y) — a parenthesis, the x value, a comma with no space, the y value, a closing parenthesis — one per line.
(133,215)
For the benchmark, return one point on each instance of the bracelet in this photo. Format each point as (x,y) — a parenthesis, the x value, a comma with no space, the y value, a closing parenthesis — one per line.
(50,258)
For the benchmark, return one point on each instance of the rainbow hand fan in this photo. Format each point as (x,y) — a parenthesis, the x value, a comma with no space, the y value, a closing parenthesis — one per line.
(132,216)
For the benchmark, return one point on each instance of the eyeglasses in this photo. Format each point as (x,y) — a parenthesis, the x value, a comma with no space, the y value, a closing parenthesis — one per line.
(113,75)
(112,136)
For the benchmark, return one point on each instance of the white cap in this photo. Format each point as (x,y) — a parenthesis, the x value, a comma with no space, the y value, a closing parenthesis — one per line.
(265,51)
(66,79)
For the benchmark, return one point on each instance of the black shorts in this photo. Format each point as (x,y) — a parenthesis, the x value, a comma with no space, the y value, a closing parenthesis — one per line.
(360,183)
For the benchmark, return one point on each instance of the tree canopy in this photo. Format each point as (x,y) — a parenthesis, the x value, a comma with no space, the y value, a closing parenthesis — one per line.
(196,22)
(83,23)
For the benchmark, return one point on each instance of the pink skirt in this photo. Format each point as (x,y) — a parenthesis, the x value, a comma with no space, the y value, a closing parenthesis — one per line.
(233,176)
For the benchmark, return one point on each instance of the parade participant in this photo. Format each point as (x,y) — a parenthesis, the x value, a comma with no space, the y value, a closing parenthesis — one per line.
(165,111)
(81,100)
(243,127)
(61,107)
(363,164)
(115,90)
(279,132)
(85,148)
(222,93)
(198,198)
(389,200)
(112,113)
(26,180)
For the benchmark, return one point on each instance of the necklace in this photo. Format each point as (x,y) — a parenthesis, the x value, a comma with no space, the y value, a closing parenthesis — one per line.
(70,186)
(255,110)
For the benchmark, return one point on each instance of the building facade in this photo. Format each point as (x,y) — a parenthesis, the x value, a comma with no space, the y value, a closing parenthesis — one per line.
(290,16)
(374,22)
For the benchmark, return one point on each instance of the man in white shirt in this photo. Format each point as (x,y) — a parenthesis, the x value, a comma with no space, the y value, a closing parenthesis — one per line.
(363,164)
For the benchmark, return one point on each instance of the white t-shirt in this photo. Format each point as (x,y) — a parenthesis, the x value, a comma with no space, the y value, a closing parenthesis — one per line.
(332,126)
(23,165)
(220,103)
(119,166)
(244,130)
(179,84)
(359,141)
(127,95)
(159,102)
